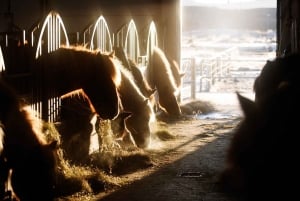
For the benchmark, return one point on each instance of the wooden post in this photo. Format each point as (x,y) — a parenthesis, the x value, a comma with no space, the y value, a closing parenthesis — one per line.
(193,78)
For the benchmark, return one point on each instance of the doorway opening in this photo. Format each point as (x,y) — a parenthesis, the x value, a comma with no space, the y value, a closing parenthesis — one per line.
(224,46)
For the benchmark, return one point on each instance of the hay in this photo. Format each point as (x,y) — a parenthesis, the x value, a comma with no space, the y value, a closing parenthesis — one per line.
(197,107)
(101,174)
(164,135)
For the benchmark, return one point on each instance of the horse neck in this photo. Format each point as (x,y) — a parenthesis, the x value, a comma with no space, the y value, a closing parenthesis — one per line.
(20,130)
(162,75)
(131,98)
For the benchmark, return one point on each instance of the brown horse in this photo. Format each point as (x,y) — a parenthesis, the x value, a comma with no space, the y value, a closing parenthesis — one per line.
(68,69)
(118,126)
(133,101)
(136,72)
(75,126)
(159,76)
(140,80)
(26,152)
(177,74)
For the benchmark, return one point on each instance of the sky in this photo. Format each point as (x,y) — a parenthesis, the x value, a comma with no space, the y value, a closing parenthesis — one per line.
(232,4)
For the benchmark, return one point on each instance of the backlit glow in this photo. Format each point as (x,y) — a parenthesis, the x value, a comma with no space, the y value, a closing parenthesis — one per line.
(102,40)
(152,38)
(54,24)
(132,46)
(2,66)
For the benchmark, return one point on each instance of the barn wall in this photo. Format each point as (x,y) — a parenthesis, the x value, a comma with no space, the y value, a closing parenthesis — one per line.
(288,33)
(78,14)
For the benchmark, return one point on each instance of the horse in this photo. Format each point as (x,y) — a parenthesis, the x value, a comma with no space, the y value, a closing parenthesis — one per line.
(75,127)
(177,74)
(136,72)
(140,80)
(118,125)
(25,150)
(142,114)
(159,76)
(261,158)
(71,68)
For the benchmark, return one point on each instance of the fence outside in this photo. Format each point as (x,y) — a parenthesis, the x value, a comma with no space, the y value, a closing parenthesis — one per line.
(202,74)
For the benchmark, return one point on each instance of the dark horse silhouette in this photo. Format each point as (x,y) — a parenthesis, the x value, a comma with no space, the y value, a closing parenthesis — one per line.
(261,160)
(68,69)
(25,151)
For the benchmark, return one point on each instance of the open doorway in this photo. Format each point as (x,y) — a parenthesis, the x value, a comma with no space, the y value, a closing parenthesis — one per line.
(225,43)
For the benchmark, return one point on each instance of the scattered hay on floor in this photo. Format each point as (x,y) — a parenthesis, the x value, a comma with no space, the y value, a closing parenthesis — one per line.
(130,162)
(121,162)
(188,110)
(197,107)
(164,135)
(103,170)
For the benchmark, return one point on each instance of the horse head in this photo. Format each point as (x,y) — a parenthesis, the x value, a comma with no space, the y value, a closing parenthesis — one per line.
(103,89)
(138,123)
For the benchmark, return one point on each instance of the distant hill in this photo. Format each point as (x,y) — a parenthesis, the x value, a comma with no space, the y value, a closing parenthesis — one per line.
(195,18)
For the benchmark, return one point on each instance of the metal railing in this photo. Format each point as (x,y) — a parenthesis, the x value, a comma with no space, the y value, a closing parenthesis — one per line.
(2,65)
(101,38)
(48,35)
(200,75)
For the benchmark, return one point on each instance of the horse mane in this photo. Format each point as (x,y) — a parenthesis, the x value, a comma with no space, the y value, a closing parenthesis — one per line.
(137,96)
(16,115)
(115,70)
(35,123)
(162,64)
(112,70)
(80,94)
(79,48)
(128,75)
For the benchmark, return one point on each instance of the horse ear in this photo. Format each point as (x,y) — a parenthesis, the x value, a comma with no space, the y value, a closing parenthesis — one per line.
(247,105)
(152,91)
(112,54)
(146,101)
(182,74)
